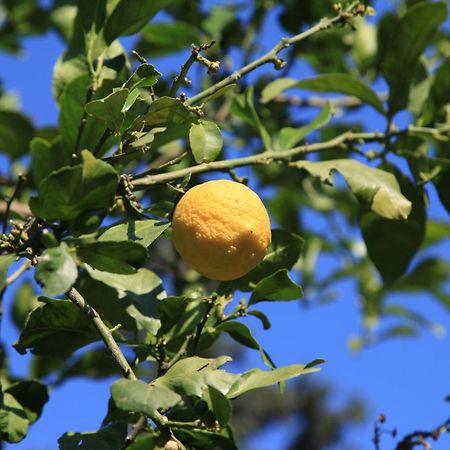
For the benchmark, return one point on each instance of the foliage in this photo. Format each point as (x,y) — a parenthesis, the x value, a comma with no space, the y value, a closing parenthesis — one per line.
(90,214)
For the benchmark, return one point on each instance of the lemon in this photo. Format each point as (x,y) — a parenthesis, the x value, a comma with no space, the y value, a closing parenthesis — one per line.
(221,229)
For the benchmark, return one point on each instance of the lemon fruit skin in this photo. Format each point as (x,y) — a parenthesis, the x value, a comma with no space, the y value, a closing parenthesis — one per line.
(221,229)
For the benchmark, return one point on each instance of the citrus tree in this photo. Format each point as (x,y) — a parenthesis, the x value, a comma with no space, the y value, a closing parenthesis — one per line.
(93,204)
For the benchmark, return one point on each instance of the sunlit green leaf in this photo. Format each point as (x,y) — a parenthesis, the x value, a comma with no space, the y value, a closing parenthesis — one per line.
(206,141)
(56,270)
(374,188)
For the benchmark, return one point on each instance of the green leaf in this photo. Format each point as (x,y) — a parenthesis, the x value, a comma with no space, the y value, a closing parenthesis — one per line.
(161,38)
(128,17)
(240,333)
(289,137)
(277,286)
(244,108)
(145,76)
(374,188)
(191,375)
(140,397)
(141,283)
(262,317)
(440,88)
(116,257)
(109,109)
(143,232)
(275,87)
(13,419)
(163,112)
(31,395)
(391,244)
(218,404)
(5,262)
(69,191)
(256,378)
(110,437)
(341,83)
(16,132)
(56,271)
(24,301)
(206,141)
(410,37)
(179,317)
(57,327)
(94,364)
(283,253)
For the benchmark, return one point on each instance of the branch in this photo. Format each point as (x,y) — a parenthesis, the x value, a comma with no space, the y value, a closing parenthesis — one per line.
(104,332)
(19,185)
(272,55)
(142,181)
(418,437)
(195,56)
(89,94)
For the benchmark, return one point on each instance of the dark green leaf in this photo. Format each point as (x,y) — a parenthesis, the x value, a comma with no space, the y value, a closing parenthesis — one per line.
(218,404)
(57,327)
(410,37)
(262,317)
(145,76)
(5,262)
(72,190)
(244,108)
(31,395)
(440,88)
(240,333)
(116,257)
(289,137)
(16,132)
(442,184)
(56,270)
(110,437)
(391,244)
(206,141)
(94,364)
(128,17)
(277,286)
(109,109)
(142,232)
(374,188)
(161,38)
(180,316)
(256,378)
(163,112)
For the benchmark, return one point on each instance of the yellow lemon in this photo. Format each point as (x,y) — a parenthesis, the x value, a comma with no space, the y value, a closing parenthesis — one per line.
(221,229)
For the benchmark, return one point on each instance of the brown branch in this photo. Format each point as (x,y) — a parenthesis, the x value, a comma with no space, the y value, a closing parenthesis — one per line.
(9,202)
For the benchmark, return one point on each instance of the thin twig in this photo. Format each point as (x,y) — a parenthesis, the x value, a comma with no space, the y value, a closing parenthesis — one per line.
(272,55)
(19,185)
(104,332)
(104,137)
(14,276)
(133,434)
(200,327)
(194,56)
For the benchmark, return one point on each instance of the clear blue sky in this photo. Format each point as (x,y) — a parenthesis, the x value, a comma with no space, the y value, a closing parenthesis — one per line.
(407,379)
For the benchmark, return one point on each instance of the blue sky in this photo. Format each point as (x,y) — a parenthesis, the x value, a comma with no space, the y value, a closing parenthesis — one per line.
(407,379)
